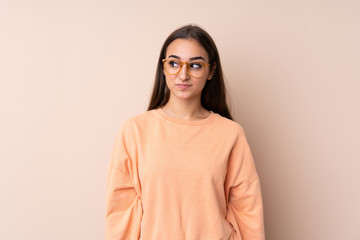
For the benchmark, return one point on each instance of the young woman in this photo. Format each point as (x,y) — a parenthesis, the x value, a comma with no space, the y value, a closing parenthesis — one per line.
(183,170)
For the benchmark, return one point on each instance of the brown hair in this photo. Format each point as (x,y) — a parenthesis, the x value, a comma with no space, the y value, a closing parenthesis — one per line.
(213,96)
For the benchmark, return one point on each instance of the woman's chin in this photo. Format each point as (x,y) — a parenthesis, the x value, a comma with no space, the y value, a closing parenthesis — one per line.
(184,95)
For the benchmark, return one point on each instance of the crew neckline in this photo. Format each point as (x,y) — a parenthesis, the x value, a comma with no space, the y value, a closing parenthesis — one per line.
(176,120)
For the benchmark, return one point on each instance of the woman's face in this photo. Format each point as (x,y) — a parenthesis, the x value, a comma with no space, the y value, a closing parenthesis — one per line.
(183,85)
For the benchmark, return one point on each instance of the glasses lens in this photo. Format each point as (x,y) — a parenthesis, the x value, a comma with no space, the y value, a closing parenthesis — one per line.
(172,66)
(196,69)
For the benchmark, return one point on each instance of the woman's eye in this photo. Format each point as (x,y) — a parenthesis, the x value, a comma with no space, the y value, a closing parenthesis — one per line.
(173,63)
(196,66)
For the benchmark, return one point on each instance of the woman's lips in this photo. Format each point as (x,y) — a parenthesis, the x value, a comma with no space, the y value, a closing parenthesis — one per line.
(183,86)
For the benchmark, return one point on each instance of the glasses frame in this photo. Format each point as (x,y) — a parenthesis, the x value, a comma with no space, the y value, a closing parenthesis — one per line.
(181,66)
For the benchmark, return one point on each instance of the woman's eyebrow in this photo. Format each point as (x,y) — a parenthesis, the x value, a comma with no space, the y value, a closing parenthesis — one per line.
(174,56)
(191,59)
(195,58)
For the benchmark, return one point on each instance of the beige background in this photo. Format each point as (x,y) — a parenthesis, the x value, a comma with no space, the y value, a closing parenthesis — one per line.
(72,71)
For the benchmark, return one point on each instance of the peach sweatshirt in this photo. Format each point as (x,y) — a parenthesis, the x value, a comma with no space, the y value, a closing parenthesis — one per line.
(174,179)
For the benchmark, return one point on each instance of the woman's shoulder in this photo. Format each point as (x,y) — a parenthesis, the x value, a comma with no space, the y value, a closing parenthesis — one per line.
(232,129)
(228,124)
(137,119)
(130,125)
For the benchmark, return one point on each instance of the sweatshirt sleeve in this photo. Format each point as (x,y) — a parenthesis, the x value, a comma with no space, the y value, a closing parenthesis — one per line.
(243,193)
(123,202)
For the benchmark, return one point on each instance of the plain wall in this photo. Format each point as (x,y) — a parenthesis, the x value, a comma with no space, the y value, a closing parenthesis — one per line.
(72,71)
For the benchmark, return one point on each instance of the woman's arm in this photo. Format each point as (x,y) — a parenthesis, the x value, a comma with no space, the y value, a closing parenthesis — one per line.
(123,202)
(243,193)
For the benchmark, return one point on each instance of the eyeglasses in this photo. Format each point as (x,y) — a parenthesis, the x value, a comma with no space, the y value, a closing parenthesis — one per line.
(174,66)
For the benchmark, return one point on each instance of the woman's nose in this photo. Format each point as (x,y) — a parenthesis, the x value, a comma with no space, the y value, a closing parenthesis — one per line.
(183,74)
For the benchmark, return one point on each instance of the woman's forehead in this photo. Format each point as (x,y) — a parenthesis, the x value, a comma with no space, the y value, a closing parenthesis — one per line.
(186,49)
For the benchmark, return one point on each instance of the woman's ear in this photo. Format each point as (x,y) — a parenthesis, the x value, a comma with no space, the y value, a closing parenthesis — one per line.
(213,68)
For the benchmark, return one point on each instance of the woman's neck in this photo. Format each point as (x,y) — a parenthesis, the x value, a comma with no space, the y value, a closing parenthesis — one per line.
(185,109)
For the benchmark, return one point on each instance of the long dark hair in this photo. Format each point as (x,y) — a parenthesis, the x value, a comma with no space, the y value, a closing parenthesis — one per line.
(213,96)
